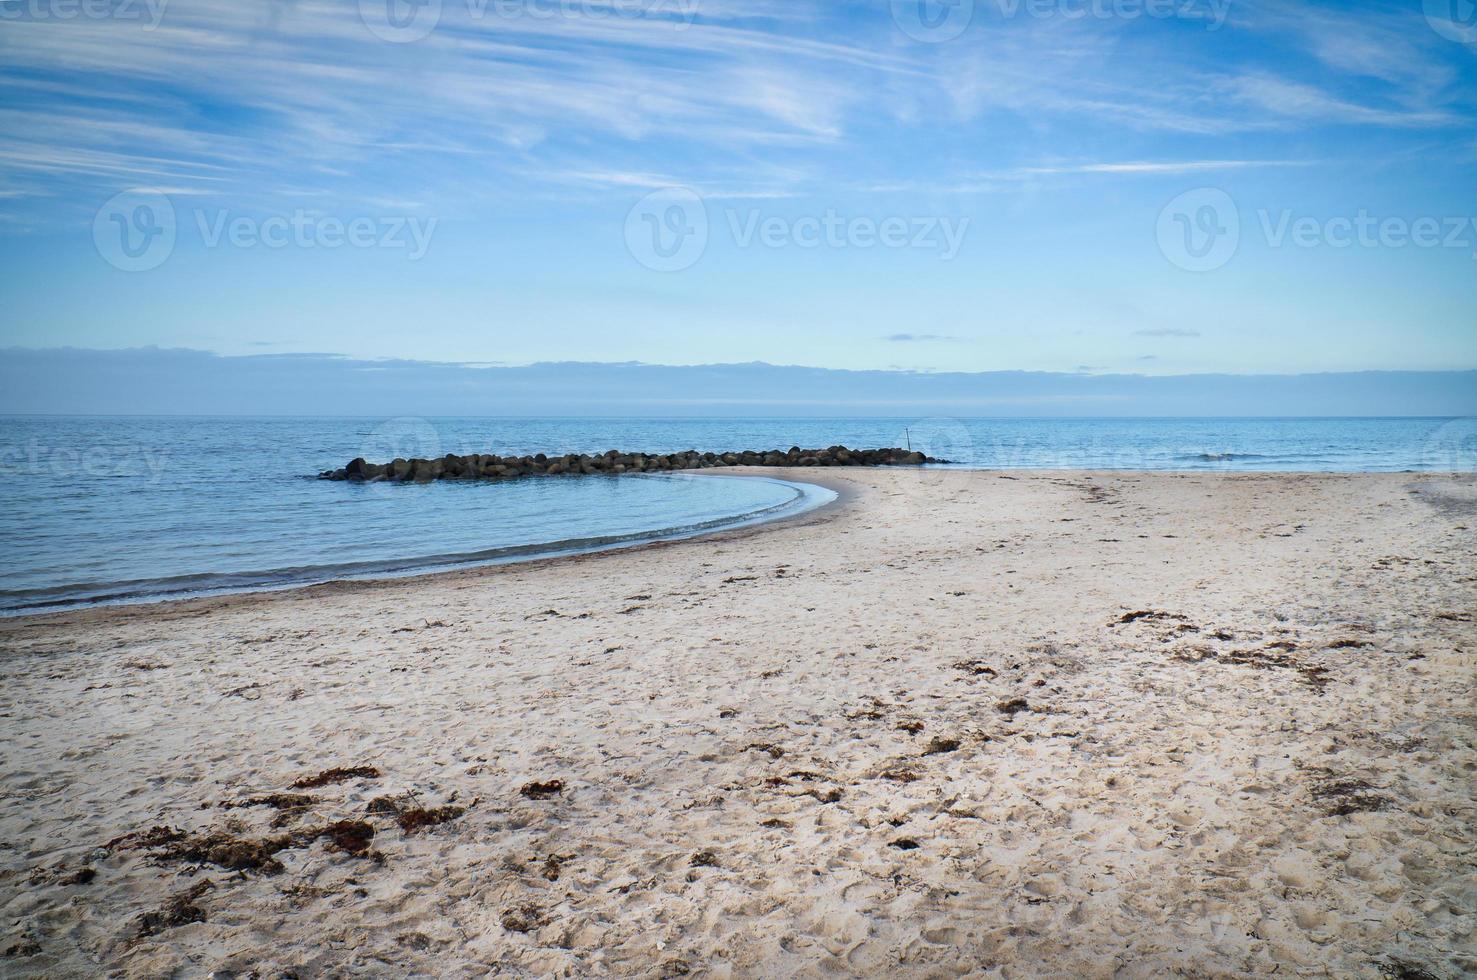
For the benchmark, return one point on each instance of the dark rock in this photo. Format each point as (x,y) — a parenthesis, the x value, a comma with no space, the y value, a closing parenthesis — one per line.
(487,466)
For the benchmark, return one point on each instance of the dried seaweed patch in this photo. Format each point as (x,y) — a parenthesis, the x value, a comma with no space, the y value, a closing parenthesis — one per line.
(544,790)
(178,911)
(975,668)
(523,918)
(1345,795)
(244,854)
(1315,676)
(329,777)
(1149,614)
(277,801)
(419,818)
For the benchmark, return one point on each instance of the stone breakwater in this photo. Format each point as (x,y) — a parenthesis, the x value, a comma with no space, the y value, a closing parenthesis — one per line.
(488,467)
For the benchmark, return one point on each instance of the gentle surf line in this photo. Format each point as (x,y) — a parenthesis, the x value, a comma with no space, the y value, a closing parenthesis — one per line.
(19,602)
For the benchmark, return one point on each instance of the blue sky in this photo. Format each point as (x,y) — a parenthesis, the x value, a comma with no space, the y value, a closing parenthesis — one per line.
(1055,185)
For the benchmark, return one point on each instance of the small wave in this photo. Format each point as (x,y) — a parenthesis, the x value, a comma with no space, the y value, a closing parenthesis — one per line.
(1219,457)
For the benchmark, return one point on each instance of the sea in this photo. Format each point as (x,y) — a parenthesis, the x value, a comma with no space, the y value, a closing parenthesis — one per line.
(133,509)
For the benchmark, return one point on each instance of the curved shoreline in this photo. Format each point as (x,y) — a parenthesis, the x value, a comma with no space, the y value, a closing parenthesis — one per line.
(812,496)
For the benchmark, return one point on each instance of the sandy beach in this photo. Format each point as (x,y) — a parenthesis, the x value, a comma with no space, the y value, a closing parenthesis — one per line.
(1004,724)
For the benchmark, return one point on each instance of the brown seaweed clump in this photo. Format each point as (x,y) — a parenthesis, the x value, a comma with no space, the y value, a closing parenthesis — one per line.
(542,791)
(244,854)
(523,918)
(277,801)
(178,911)
(419,818)
(329,777)
(1343,796)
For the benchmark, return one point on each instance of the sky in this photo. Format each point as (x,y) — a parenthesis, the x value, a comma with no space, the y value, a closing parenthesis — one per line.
(1160,187)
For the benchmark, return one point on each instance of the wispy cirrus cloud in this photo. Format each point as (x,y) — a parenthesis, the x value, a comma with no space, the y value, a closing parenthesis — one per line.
(1159,167)
(760,99)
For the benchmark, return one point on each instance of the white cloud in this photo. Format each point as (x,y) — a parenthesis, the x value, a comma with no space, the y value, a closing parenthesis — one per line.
(298,98)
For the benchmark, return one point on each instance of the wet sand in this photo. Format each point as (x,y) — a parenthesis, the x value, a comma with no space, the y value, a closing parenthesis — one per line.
(1005,724)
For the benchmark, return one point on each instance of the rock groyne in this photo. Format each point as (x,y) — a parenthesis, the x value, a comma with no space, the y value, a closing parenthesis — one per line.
(491,467)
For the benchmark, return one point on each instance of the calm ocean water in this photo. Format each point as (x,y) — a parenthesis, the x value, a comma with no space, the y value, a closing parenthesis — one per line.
(126,509)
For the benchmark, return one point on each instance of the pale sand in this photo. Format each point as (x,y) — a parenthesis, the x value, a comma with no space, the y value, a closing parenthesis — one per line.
(728,719)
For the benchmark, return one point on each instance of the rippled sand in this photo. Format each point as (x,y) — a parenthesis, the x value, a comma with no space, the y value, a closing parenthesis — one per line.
(1005,724)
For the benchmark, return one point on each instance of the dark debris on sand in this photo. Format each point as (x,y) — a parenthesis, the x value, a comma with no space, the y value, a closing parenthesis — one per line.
(1270,658)
(1138,614)
(158,836)
(975,668)
(389,806)
(240,853)
(419,818)
(523,918)
(1398,969)
(900,775)
(1013,706)
(1342,795)
(329,777)
(178,911)
(938,745)
(542,790)
(277,801)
